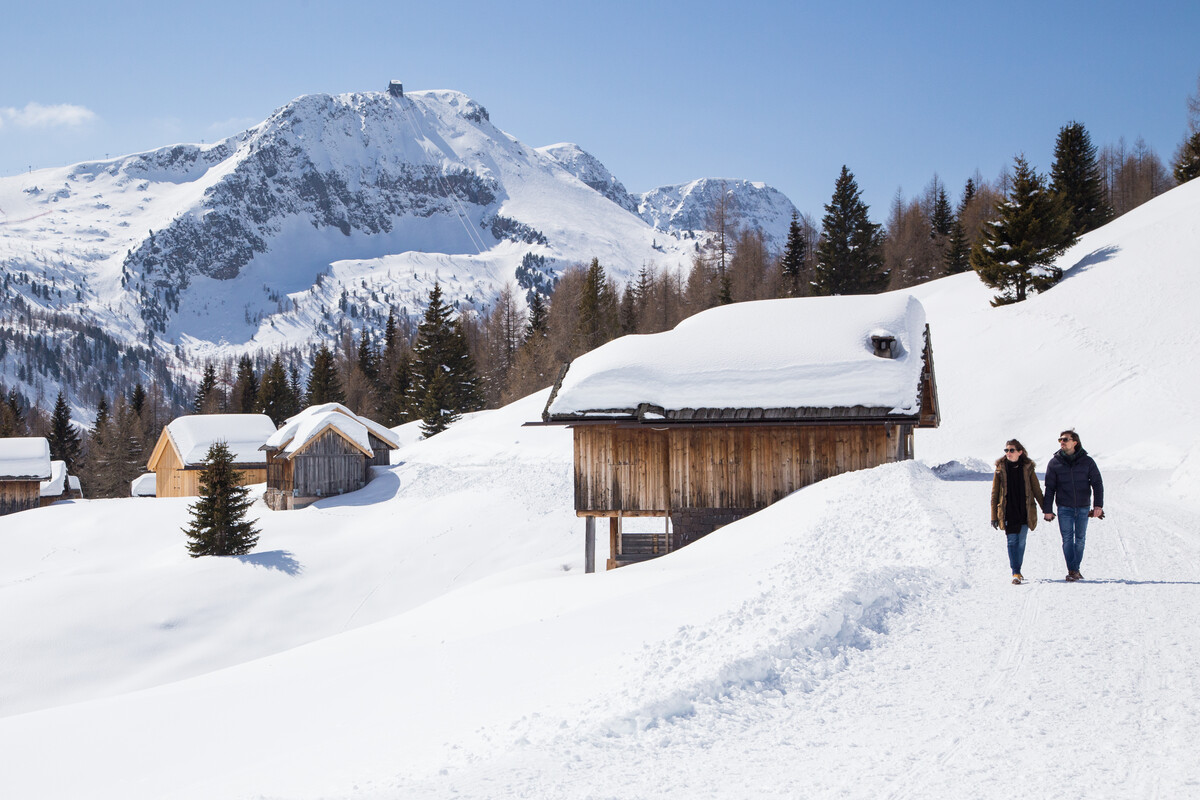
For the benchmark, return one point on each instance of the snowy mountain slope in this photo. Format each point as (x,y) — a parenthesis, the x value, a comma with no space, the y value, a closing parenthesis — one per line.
(330,213)
(687,207)
(858,639)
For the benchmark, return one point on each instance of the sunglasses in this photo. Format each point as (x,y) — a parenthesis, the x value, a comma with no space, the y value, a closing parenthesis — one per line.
(1065,439)
(1011,450)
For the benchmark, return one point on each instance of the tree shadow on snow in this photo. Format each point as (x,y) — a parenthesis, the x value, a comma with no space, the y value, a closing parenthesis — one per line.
(1090,260)
(280,560)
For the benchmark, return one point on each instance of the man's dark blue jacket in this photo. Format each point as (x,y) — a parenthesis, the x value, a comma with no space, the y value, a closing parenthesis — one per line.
(1072,479)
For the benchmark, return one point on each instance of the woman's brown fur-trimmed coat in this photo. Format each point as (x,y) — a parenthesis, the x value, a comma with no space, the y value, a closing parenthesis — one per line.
(1034,500)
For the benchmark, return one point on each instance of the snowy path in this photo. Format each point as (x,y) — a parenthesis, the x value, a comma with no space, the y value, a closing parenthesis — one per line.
(1089,688)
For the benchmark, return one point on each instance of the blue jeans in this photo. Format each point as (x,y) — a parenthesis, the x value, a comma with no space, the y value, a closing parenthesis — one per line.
(1072,524)
(1016,549)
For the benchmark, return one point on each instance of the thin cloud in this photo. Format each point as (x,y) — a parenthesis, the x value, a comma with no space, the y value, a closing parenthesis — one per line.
(36,115)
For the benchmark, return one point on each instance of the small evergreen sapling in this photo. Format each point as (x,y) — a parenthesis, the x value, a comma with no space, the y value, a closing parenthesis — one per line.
(219,526)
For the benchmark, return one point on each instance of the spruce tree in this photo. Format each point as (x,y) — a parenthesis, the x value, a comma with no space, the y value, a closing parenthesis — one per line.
(219,526)
(206,392)
(436,409)
(850,252)
(368,362)
(397,407)
(941,219)
(274,394)
(539,314)
(595,311)
(1016,253)
(137,399)
(63,438)
(245,387)
(1076,180)
(444,377)
(794,253)
(323,384)
(958,250)
(1187,160)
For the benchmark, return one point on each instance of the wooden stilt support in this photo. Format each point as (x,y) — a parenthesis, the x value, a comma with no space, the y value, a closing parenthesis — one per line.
(589,554)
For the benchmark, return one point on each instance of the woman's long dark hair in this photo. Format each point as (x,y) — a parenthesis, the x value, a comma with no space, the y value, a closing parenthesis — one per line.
(1023,459)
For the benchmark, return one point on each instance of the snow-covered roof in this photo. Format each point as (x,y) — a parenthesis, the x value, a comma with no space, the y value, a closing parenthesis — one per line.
(144,485)
(306,427)
(73,483)
(788,356)
(290,426)
(243,434)
(24,458)
(57,482)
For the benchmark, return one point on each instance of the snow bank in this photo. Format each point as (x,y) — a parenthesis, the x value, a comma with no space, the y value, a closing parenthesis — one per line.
(794,353)
(144,485)
(57,483)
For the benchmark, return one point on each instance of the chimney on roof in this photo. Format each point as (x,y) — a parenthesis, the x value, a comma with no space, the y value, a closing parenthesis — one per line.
(884,345)
(396,89)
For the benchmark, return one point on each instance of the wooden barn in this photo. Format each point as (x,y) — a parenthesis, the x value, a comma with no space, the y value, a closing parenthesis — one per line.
(323,451)
(24,465)
(178,457)
(736,408)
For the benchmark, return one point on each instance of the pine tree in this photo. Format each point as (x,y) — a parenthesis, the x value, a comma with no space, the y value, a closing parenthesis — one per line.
(206,392)
(137,399)
(444,378)
(245,387)
(219,526)
(397,408)
(850,252)
(596,310)
(274,394)
(794,253)
(323,384)
(63,438)
(101,421)
(958,250)
(538,317)
(118,453)
(368,362)
(941,220)
(1076,180)
(1187,160)
(1017,252)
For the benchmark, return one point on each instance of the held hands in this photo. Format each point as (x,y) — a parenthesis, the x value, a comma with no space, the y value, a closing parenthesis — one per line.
(996,524)
(1048,516)
(1098,512)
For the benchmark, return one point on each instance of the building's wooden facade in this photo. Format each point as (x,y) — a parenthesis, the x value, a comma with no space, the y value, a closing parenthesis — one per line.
(329,464)
(700,469)
(19,494)
(24,466)
(174,478)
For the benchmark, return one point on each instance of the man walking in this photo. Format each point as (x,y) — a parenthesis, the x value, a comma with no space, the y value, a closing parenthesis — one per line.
(1072,478)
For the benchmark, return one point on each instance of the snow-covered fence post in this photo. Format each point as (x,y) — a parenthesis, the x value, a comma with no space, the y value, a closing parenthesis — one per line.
(589,546)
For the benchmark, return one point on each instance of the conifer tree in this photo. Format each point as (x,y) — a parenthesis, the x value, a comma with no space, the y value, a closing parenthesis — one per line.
(117,457)
(445,383)
(368,362)
(296,393)
(64,439)
(941,220)
(850,252)
(794,253)
(101,421)
(958,250)
(274,394)
(397,407)
(245,387)
(323,384)
(538,317)
(137,399)
(1187,160)
(596,310)
(219,526)
(1016,253)
(206,392)
(1076,180)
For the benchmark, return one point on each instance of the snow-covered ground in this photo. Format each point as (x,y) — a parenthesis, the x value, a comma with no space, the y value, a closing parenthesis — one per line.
(434,634)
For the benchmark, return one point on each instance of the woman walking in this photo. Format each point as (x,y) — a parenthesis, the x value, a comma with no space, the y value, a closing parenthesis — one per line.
(1016,495)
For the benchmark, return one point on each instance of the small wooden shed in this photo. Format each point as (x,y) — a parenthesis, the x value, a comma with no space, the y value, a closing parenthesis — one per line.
(24,465)
(739,406)
(60,486)
(178,457)
(323,451)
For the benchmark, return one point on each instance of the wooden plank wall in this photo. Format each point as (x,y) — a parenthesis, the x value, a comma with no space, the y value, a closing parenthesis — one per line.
(634,470)
(19,495)
(329,466)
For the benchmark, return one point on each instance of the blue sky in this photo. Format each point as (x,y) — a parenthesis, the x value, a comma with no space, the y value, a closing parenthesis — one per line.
(662,93)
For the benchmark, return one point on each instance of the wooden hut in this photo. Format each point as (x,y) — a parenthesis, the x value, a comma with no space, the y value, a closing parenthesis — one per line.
(736,408)
(321,452)
(24,464)
(178,457)
(58,486)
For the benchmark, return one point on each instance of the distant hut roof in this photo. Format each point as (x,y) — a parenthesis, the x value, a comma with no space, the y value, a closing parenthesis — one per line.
(243,434)
(289,427)
(25,458)
(800,358)
(56,484)
(144,485)
(299,431)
